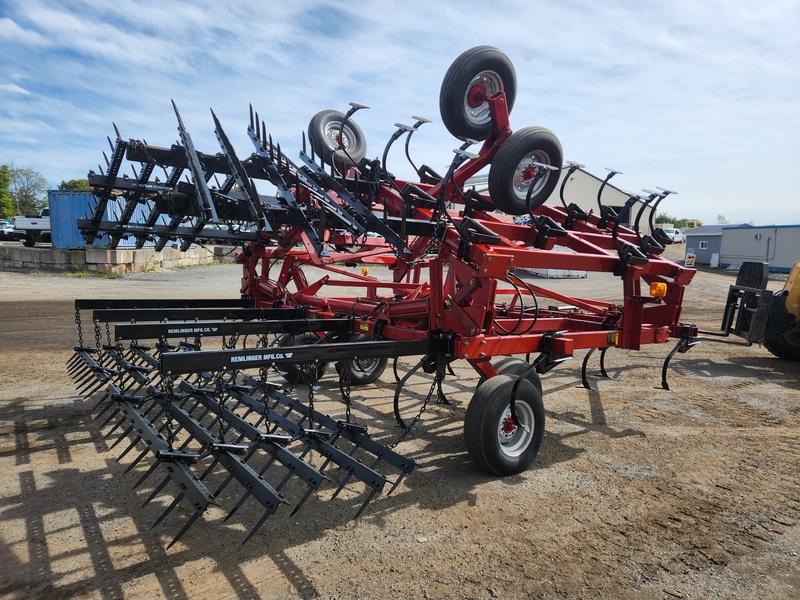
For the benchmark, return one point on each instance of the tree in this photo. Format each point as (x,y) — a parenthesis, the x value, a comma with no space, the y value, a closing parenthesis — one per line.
(28,189)
(663,217)
(721,220)
(6,202)
(78,185)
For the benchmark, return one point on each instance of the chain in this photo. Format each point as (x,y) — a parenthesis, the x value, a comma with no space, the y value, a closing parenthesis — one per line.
(170,397)
(310,378)
(230,343)
(263,372)
(221,397)
(344,387)
(436,384)
(108,333)
(80,329)
(97,335)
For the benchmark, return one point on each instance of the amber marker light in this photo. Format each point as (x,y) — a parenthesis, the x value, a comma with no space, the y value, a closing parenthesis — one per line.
(365,271)
(658,289)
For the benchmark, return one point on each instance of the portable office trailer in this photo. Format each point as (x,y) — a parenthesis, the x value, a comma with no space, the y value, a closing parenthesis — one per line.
(778,245)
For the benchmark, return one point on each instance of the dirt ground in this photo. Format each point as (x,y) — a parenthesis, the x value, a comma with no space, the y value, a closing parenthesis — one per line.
(637,492)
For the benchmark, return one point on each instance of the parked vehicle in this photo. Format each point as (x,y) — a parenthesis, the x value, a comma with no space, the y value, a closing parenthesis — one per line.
(676,235)
(7,230)
(33,229)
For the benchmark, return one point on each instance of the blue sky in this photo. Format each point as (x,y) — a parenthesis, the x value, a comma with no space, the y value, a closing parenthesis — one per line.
(698,97)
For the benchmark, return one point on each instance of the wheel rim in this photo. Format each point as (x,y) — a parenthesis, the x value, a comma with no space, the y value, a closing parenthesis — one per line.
(526,171)
(514,440)
(366,365)
(483,85)
(332,135)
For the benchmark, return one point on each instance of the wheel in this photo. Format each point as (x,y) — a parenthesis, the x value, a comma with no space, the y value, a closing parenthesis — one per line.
(512,170)
(473,76)
(515,367)
(364,370)
(493,441)
(786,347)
(29,241)
(323,134)
(300,373)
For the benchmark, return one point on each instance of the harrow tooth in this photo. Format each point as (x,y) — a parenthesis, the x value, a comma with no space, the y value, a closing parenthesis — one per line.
(237,506)
(367,501)
(128,449)
(155,492)
(122,436)
(113,414)
(302,501)
(185,528)
(136,460)
(150,471)
(257,526)
(175,503)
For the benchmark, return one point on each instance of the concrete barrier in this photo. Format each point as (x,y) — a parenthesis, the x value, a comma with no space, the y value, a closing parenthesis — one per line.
(102,260)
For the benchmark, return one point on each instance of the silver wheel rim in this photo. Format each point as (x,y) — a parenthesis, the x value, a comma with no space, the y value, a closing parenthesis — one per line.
(331,133)
(366,365)
(526,171)
(514,440)
(493,84)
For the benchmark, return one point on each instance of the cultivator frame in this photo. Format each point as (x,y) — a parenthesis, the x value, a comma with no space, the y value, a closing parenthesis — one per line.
(456,291)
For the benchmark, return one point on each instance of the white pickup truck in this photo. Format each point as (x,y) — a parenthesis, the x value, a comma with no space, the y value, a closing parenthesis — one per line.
(33,229)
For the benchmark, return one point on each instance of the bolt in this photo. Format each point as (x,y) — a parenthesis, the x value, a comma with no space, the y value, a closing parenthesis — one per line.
(464,355)
(511,260)
(473,281)
(482,355)
(466,343)
(473,331)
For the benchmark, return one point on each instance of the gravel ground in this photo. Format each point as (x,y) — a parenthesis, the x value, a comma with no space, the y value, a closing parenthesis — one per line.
(637,492)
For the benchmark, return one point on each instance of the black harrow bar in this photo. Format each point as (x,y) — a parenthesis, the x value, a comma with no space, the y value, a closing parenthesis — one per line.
(215,424)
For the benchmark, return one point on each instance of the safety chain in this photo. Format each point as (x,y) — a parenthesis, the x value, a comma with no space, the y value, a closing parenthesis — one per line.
(108,334)
(436,385)
(80,328)
(221,398)
(344,387)
(97,334)
(310,378)
(263,372)
(230,343)
(169,396)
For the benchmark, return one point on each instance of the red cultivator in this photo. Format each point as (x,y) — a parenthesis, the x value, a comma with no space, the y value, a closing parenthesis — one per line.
(455,290)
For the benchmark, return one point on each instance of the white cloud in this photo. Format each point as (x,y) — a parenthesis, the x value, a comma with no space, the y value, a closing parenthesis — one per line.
(699,97)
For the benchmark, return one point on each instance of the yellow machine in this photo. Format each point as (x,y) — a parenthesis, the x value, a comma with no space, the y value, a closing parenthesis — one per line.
(763,317)
(782,337)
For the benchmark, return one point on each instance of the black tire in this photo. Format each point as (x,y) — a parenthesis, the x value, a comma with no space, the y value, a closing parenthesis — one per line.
(364,370)
(478,72)
(323,134)
(511,171)
(515,367)
(495,444)
(786,347)
(300,373)
(29,241)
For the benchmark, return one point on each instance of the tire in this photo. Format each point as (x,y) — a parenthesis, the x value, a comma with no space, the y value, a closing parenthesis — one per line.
(323,134)
(300,373)
(480,71)
(511,171)
(364,370)
(786,347)
(515,367)
(28,241)
(493,442)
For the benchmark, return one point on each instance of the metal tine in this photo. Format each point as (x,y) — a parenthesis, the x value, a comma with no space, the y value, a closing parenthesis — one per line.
(248,492)
(271,151)
(113,429)
(396,483)
(110,143)
(116,130)
(252,123)
(185,528)
(108,162)
(128,449)
(136,460)
(108,405)
(175,502)
(238,505)
(257,527)
(108,420)
(363,506)
(147,473)
(304,142)
(347,477)
(121,437)
(155,492)
(302,500)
